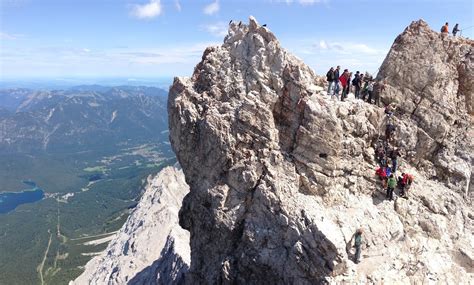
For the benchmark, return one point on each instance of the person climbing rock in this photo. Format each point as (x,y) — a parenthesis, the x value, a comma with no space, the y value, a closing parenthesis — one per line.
(330,80)
(344,79)
(357,244)
(380,154)
(391,184)
(400,183)
(382,174)
(455,29)
(407,180)
(389,130)
(389,109)
(394,155)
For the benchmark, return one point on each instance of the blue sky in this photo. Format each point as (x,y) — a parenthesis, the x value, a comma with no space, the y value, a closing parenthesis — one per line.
(152,38)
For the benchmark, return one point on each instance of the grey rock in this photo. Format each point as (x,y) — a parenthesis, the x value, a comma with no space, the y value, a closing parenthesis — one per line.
(280,176)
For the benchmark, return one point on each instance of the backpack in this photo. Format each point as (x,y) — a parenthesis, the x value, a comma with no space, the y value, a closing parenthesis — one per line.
(355,81)
(329,76)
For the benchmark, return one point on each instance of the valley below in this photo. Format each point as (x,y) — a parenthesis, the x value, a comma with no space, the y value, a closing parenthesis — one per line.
(83,172)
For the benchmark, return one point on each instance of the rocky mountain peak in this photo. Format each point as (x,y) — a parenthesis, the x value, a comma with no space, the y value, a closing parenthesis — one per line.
(281,177)
(429,77)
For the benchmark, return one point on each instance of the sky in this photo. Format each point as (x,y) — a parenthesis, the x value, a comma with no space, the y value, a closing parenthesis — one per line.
(154,39)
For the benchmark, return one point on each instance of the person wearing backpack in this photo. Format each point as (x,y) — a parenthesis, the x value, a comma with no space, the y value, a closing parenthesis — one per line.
(330,80)
(391,184)
(444,31)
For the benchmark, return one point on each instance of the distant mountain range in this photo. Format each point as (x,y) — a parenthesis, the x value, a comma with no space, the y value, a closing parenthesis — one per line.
(80,118)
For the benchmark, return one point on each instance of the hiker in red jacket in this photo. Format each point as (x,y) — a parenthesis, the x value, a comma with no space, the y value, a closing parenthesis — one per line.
(382,174)
(343,79)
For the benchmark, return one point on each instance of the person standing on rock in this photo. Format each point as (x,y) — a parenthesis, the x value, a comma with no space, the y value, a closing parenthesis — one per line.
(356,83)
(455,30)
(370,91)
(330,80)
(357,244)
(348,87)
(336,81)
(445,30)
(391,184)
(365,83)
(343,79)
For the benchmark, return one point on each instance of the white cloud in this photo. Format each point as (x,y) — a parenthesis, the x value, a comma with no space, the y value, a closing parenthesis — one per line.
(321,54)
(217,29)
(302,2)
(173,60)
(212,8)
(346,47)
(7,36)
(308,2)
(147,11)
(177,5)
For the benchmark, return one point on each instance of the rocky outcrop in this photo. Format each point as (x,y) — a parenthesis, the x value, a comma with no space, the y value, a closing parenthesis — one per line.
(150,248)
(280,178)
(430,78)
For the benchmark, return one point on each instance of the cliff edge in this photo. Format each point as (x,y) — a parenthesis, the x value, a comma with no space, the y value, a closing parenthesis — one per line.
(150,248)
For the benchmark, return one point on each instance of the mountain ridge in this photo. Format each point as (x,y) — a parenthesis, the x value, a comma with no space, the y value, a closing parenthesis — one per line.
(281,176)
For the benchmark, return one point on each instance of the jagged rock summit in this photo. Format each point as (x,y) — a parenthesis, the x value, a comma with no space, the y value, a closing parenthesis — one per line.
(281,177)
(430,78)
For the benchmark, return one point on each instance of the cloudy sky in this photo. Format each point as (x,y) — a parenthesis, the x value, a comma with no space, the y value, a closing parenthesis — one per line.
(153,38)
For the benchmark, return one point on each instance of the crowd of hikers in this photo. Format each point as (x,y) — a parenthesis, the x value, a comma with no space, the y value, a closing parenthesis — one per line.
(387,157)
(388,161)
(364,86)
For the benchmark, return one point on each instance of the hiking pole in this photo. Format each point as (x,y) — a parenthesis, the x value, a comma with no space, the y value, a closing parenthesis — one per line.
(460,31)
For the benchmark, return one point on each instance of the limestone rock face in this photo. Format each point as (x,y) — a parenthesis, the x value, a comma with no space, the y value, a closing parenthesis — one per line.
(280,178)
(430,78)
(150,248)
